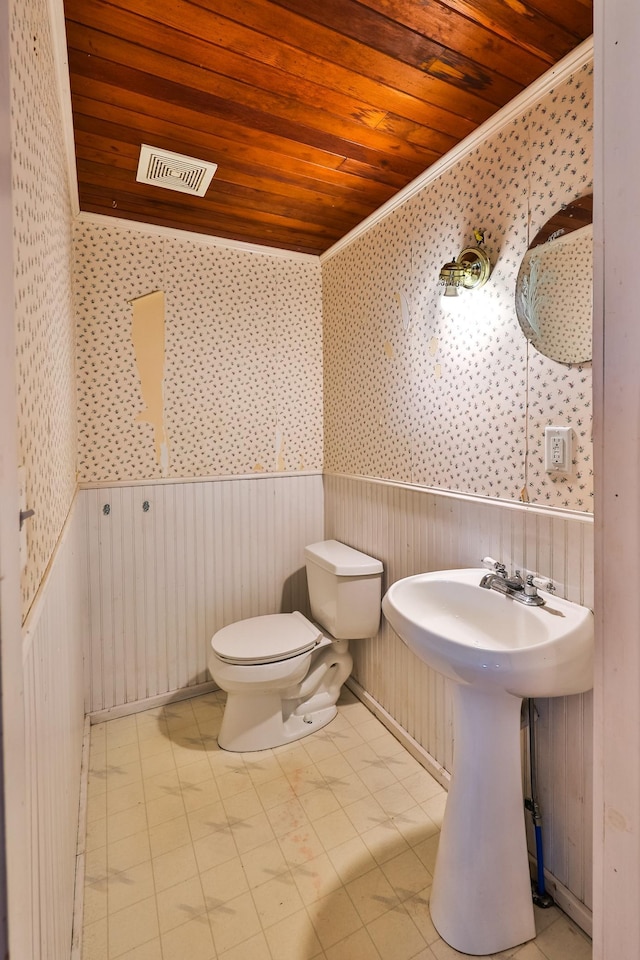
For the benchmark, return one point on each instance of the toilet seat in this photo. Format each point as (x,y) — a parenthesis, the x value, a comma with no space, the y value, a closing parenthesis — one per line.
(278,636)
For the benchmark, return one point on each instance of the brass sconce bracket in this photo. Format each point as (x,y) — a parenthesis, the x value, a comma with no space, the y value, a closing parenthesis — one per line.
(470,271)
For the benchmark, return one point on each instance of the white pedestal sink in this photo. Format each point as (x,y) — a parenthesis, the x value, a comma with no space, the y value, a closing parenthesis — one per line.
(497,651)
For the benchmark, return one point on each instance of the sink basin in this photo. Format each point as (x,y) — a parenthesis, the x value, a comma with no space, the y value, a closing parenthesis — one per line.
(496,651)
(479,636)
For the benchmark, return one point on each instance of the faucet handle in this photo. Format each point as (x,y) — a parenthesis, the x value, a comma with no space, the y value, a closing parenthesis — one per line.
(494,565)
(543,583)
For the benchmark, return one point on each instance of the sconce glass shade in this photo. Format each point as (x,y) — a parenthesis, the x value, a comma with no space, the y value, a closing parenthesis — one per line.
(472,269)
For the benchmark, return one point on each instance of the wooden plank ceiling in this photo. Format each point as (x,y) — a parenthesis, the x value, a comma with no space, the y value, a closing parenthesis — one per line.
(316,111)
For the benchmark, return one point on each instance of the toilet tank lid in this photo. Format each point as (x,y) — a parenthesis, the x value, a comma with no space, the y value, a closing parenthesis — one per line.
(342,560)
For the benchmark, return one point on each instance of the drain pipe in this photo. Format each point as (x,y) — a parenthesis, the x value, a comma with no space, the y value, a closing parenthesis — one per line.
(540,897)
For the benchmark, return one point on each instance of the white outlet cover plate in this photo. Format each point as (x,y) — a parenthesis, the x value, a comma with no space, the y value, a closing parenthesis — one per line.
(558,449)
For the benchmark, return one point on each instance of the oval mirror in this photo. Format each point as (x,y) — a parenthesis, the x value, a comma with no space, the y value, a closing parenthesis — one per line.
(554,289)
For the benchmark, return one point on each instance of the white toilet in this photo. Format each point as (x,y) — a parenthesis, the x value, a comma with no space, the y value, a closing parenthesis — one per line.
(281,672)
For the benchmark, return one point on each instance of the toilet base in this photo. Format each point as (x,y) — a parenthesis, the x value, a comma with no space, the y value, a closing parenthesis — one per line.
(266,727)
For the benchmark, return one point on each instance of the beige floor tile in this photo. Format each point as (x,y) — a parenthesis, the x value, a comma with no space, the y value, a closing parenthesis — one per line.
(255,948)
(287,817)
(169,835)
(95,865)
(334,918)
(151,950)
(132,926)
(366,814)
(207,819)
(191,941)
(318,803)
(277,899)
(198,795)
(316,878)
(434,807)
(126,853)
(95,902)
(422,786)
(123,775)
(294,938)
(529,952)
(300,845)
(215,849)
(162,785)
(395,799)
(158,763)
(96,807)
(264,863)
(564,941)
(348,788)
(418,909)
(243,805)
(305,779)
(415,825)
(372,895)
(164,808)
(196,773)
(396,936)
(329,855)
(221,884)
(351,859)
(95,944)
(427,851)
(276,792)
(407,874)
(180,903)
(234,922)
(385,842)
(232,783)
(334,829)
(358,944)
(96,834)
(125,797)
(174,867)
(126,823)
(130,886)
(252,832)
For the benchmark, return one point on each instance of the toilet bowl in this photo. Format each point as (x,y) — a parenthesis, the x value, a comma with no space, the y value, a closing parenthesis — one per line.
(283,672)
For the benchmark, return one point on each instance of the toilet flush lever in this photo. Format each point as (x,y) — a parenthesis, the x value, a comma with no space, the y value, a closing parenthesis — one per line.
(25,515)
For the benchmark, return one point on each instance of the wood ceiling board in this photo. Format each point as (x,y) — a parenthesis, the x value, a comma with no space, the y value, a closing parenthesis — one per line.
(316,113)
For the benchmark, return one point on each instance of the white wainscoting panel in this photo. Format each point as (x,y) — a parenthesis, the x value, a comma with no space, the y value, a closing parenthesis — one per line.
(412,530)
(54,718)
(203,554)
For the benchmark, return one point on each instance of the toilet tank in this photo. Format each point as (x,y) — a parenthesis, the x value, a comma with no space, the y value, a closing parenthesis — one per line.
(345,589)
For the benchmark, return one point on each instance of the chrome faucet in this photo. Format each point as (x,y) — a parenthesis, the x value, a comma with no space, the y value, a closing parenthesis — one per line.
(524,591)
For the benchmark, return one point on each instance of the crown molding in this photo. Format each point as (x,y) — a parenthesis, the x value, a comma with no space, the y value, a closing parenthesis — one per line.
(204,239)
(529,97)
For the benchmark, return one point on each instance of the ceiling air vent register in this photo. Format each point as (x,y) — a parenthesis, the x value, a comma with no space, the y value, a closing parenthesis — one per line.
(173,171)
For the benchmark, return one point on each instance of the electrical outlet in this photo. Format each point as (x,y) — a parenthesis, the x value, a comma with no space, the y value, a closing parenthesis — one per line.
(558,452)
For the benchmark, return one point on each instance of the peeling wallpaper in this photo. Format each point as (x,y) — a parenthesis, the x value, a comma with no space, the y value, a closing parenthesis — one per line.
(43,302)
(243,358)
(459,401)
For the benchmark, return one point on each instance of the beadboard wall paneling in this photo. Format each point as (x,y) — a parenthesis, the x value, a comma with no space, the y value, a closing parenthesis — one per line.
(412,530)
(54,719)
(163,580)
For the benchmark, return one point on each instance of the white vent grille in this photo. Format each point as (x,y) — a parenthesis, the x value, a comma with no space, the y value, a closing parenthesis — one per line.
(173,171)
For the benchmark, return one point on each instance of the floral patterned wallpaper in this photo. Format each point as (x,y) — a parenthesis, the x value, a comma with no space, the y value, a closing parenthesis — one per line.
(243,357)
(459,399)
(43,302)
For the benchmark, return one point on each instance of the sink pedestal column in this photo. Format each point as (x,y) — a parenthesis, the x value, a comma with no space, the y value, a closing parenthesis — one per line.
(481,897)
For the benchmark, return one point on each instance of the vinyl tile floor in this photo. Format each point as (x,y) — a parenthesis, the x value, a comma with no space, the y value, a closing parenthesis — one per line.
(320,850)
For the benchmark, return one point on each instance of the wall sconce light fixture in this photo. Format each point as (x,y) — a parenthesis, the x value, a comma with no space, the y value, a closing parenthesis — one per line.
(471,270)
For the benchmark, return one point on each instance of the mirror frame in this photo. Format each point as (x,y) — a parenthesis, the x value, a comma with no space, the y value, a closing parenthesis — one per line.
(573,216)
